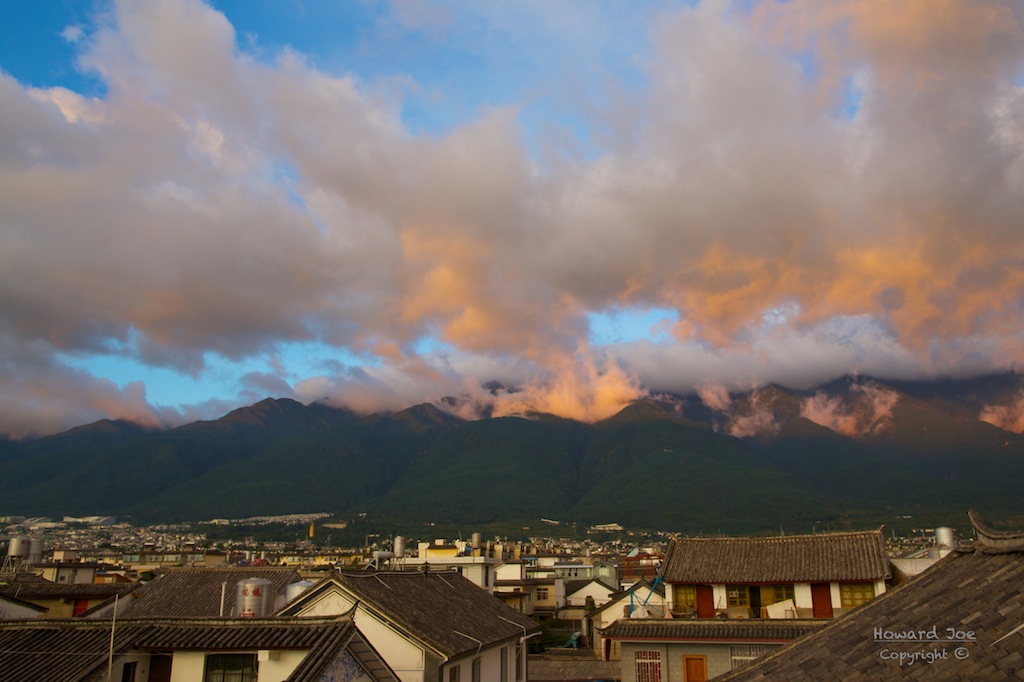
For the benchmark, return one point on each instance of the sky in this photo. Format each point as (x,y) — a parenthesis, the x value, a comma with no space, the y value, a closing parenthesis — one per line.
(380,203)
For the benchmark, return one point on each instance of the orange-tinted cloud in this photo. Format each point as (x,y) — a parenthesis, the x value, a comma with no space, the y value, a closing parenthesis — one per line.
(813,187)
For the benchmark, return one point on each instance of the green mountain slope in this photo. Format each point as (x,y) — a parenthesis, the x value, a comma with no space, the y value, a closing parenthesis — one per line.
(489,470)
(889,453)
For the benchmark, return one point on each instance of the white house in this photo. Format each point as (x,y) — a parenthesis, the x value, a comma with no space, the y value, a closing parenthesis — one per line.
(433,626)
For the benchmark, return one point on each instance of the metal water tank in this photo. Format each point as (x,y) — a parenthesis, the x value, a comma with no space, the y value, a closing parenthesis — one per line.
(399,547)
(297,588)
(254,598)
(18,547)
(945,537)
(35,551)
(475,541)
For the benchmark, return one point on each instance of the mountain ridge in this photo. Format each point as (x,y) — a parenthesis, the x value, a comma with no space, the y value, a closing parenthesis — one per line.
(854,450)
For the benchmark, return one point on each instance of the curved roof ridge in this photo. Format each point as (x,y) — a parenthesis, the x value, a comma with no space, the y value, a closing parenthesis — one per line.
(992,540)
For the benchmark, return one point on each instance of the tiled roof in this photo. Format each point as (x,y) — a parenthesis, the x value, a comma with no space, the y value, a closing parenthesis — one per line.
(72,650)
(573,586)
(23,603)
(573,670)
(794,558)
(196,592)
(57,651)
(65,591)
(233,633)
(753,630)
(443,609)
(976,590)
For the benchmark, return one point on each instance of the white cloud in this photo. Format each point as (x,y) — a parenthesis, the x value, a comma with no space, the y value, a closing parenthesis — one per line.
(159,217)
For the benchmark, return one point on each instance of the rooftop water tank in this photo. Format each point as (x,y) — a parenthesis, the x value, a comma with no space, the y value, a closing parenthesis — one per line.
(945,537)
(254,598)
(18,547)
(295,589)
(399,547)
(35,551)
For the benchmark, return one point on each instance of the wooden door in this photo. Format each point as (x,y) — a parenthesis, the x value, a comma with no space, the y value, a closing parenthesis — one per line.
(705,601)
(695,668)
(821,600)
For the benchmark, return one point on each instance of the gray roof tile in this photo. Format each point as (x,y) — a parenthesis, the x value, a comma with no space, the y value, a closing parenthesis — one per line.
(976,588)
(196,592)
(753,630)
(827,557)
(77,650)
(442,608)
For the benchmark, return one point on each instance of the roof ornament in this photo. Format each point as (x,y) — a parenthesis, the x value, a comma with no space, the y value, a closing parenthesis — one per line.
(993,541)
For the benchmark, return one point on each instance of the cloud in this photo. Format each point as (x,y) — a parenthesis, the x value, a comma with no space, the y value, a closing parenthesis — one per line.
(814,188)
(72,34)
(1006,417)
(40,395)
(868,410)
(714,395)
(582,388)
(756,419)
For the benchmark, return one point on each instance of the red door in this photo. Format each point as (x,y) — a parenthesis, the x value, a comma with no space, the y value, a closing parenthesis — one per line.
(705,602)
(821,600)
(695,668)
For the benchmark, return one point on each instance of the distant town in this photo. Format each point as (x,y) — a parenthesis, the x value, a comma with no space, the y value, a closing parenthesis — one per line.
(540,608)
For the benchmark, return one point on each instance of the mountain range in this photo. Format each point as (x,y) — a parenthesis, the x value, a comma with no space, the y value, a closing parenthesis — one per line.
(851,453)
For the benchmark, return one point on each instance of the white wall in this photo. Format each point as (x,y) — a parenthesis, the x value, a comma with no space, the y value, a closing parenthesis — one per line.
(404,656)
(600,594)
(188,666)
(802,596)
(279,664)
(490,665)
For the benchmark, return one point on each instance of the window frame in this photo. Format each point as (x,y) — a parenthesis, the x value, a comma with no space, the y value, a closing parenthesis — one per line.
(855,594)
(783,592)
(685,596)
(248,669)
(647,665)
(741,597)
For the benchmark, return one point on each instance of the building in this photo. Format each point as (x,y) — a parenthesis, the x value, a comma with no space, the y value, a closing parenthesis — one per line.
(198,593)
(430,626)
(734,599)
(795,576)
(640,595)
(244,650)
(64,600)
(962,619)
(687,650)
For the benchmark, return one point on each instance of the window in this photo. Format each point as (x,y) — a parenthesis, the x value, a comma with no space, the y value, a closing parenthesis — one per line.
(476,670)
(686,596)
(519,662)
(504,664)
(455,673)
(782,593)
(738,595)
(542,594)
(855,594)
(128,671)
(230,668)
(648,666)
(741,654)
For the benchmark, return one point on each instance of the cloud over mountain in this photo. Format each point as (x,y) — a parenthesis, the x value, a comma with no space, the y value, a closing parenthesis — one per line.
(812,188)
